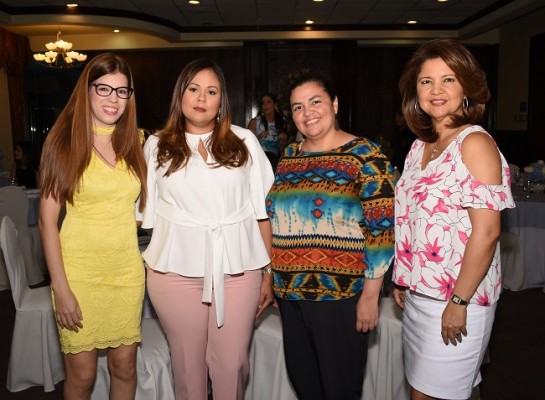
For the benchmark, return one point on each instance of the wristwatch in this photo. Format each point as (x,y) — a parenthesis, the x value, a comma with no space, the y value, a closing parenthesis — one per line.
(458,300)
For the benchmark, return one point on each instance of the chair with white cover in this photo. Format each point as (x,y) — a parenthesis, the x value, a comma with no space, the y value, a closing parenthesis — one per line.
(155,381)
(512,261)
(35,357)
(14,204)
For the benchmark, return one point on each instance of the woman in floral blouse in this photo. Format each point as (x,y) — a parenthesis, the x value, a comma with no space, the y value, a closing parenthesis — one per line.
(447,212)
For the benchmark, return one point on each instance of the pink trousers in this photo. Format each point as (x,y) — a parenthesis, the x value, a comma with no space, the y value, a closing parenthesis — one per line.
(197,346)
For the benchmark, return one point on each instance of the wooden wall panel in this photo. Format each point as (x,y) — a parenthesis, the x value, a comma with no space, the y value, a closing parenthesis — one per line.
(365,78)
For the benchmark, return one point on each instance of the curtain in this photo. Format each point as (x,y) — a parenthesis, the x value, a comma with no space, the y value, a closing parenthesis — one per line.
(15,56)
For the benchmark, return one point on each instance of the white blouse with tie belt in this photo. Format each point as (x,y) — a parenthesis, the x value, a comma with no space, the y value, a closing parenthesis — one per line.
(204,219)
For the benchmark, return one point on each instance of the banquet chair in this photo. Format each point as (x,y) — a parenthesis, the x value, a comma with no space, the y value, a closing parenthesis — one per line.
(512,261)
(35,357)
(154,373)
(13,203)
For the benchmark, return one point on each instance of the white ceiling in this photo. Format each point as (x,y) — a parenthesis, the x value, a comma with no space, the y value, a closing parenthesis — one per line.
(175,19)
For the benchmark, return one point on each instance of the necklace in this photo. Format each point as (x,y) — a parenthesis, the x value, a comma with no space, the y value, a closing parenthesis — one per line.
(433,153)
(104,158)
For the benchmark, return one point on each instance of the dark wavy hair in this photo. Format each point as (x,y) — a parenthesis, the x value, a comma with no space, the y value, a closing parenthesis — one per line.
(279,120)
(226,147)
(468,72)
(315,77)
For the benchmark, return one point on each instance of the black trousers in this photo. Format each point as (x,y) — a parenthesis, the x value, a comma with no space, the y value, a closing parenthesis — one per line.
(325,356)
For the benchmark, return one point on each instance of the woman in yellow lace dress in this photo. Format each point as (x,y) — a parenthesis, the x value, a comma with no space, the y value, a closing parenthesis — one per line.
(93,163)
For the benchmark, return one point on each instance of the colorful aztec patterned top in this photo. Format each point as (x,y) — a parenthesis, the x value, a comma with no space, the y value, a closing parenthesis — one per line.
(432,222)
(332,216)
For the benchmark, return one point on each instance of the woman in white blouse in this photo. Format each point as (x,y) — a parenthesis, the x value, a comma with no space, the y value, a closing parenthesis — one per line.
(208,259)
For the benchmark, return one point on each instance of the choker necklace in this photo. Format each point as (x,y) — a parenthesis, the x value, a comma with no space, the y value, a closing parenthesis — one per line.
(104,158)
(103,131)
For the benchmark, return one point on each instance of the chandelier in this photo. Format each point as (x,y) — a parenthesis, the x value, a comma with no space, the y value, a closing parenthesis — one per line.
(60,55)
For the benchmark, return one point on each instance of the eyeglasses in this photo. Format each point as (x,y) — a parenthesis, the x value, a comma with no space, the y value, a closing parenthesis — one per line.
(104,90)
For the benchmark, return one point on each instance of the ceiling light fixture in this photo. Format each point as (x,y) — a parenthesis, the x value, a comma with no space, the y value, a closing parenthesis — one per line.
(71,5)
(60,55)
(309,22)
(411,22)
(194,2)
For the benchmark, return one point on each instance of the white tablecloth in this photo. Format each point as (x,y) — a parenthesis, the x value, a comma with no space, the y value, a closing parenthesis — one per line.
(33,246)
(527,220)
(33,197)
(384,375)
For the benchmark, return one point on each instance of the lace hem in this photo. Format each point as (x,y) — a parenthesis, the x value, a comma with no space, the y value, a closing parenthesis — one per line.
(67,349)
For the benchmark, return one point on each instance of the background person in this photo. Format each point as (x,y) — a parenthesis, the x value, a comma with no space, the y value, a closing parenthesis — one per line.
(92,160)
(207,183)
(268,125)
(24,170)
(448,203)
(331,210)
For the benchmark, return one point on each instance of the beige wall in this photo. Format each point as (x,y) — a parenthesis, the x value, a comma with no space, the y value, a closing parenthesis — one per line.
(514,48)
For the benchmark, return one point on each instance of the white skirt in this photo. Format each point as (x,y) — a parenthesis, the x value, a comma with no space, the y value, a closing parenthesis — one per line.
(433,368)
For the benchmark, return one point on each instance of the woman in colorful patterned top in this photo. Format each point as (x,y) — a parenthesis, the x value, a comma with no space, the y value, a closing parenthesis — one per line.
(331,209)
(448,203)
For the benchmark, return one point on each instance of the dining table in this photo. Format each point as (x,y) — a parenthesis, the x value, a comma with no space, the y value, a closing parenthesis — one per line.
(527,222)
(384,374)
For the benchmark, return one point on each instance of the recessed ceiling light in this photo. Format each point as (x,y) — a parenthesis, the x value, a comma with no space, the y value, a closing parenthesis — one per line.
(309,22)
(442,1)
(116,31)
(71,5)
(194,1)
(412,22)
(317,1)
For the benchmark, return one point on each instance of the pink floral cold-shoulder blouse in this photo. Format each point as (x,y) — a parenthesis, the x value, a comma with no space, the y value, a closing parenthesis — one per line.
(433,226)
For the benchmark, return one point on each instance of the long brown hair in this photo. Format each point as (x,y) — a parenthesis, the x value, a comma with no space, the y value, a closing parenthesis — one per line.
(468,72)
(227,148)
(68,146)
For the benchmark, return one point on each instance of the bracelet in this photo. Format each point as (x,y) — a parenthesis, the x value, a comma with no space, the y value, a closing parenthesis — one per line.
(267,270)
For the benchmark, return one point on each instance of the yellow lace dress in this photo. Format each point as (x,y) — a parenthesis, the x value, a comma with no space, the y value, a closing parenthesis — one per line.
(102,260)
